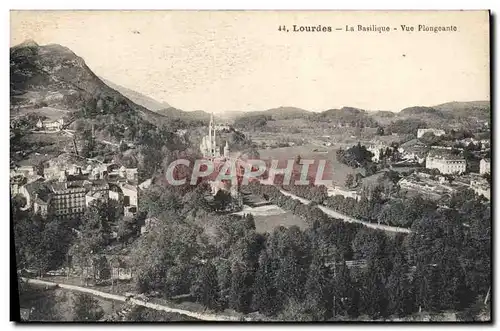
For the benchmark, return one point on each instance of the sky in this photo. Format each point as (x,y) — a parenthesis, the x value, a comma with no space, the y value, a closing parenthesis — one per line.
(239,61)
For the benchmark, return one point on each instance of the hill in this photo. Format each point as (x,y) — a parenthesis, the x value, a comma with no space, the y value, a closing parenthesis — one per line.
(280,113)
(478,109)
(52,75)
(138,98)
(286,113)
(346,116)
(425,111)
(161,108)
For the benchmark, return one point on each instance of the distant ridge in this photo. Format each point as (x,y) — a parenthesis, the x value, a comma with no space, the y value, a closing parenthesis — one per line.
(137,97)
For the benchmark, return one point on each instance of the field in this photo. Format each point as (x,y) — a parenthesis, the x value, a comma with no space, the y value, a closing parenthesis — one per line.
(318,133)
(49,112)
(334,170)
(269,217)
(40,147)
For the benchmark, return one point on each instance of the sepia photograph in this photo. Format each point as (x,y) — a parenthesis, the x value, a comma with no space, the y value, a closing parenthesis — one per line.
(193,166)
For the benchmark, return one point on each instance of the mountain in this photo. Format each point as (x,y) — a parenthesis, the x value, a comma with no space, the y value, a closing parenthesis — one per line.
(429,115)
(174,113)
(286,113)
(138,98)
(478,109)
(280,113)
(52,75)
(345,116)
(450,113)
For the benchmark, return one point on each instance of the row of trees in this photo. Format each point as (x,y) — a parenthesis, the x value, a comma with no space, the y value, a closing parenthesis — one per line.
(295,274)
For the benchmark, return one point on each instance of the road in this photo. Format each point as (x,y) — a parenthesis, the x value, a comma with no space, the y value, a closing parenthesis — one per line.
(345,218)
(105,295)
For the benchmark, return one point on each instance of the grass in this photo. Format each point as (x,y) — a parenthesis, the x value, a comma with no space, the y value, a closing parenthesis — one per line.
(267,223)
(334,170)
(43,147)
(49,112)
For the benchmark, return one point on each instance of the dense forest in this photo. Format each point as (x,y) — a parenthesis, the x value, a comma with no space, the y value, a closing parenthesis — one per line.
(291,274)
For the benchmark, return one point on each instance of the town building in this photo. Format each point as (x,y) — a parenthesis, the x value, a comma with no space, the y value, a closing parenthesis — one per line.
(377,151)
(30,192)
(69,195)
(446,163)
(149,223)
(130,201)
(337,190)
(66,197)
(50,125)
(436,132)
(68,188)
(481,187)
(484,166)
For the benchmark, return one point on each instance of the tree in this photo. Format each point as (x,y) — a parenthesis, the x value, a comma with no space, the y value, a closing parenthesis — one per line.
(345,294)
(300,311)
(380,131)
(86,308)
(40,244)
(398,287)
(94,235)
(349,181)
(127,229)
(222,200)
(319,288)
(240,295)
(264,298)
(206,288)
(374,294)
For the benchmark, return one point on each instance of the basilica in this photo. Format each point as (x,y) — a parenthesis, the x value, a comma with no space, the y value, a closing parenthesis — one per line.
(212,151)
(208,147)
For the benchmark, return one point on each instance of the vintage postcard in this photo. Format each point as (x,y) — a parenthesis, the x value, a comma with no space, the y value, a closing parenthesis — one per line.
(244,166)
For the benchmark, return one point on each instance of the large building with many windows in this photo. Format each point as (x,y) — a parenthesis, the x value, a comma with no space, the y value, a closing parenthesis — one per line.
(69,195)
(446,163)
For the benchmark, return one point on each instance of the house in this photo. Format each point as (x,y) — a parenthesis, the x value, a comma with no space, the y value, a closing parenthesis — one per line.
(337,190)
(481,187)
(145,184)
(130,202)
(484,166)
(26,171)
(377,151)
(95,196)
(149,223)
(436,132)
(41,206)
(50,125)
(31,190)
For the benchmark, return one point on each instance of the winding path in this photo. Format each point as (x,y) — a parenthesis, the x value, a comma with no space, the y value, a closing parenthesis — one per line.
(345,218)
(105,295)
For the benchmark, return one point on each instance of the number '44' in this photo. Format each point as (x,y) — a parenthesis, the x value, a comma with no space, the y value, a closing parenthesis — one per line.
(281,28)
